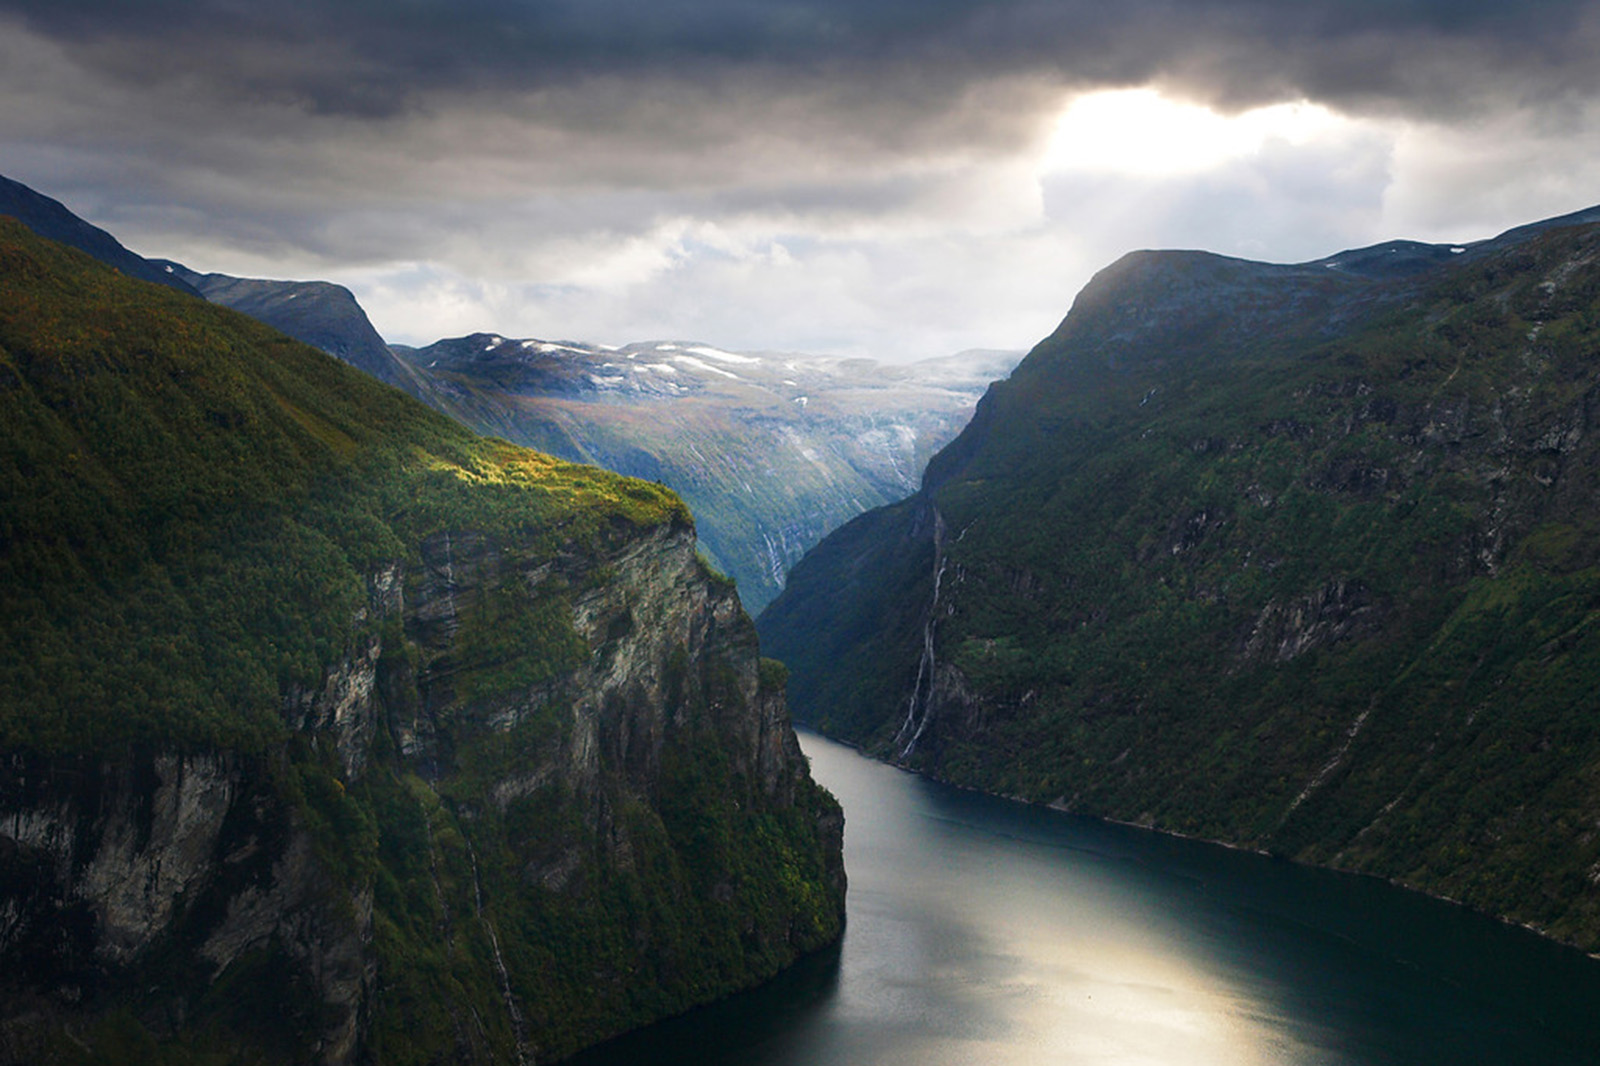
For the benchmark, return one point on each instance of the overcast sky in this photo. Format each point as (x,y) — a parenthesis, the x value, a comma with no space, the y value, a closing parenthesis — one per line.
(896,178)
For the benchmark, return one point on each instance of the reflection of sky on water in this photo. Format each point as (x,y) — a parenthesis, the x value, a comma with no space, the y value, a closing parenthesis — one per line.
(983,933)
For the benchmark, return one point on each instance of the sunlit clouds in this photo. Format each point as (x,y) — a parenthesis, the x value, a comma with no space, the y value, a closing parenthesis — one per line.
(1140,131)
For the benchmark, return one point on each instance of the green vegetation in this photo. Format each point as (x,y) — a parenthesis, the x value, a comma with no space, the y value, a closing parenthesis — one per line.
(749,485)
(190,502)
(1308,564)
(197,517)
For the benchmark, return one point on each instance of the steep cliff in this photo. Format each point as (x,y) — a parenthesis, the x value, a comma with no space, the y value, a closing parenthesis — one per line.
(1302,558)
(330,732)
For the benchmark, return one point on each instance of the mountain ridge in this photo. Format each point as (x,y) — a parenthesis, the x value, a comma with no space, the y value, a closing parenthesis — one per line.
(51,218)
(320,313)
(766,484)
(1287,557)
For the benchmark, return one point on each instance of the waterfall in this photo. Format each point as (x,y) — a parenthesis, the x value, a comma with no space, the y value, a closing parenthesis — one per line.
(450,580)
(519,1028)
(922,693)
(776,560)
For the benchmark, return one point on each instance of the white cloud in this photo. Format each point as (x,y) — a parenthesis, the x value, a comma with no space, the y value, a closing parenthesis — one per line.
(1459,182)
(984,252)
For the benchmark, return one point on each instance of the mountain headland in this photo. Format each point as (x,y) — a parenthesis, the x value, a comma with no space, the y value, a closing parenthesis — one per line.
(333,732)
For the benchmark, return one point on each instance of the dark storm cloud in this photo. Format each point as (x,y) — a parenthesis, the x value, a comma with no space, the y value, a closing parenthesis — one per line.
(756,171)
(377,57)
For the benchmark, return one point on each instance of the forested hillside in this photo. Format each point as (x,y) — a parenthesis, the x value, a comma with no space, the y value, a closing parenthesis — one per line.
(1302,558)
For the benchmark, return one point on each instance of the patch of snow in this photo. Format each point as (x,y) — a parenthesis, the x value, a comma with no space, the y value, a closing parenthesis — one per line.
(663,368)
(802,401)
(786,381)
(433,364)
(686,360)
(666,347)
(605,383)
(723,357)
(1457,251)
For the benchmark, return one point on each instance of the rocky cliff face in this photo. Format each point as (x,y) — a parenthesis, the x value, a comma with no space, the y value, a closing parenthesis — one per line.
(177,865)
(201,861)
(378,742)
(1300,558)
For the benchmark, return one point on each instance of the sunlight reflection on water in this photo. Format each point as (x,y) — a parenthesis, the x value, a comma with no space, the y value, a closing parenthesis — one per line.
(982,932)
(1003,955)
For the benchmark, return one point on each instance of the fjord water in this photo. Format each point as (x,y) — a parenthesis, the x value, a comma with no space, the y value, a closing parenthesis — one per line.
(987,932)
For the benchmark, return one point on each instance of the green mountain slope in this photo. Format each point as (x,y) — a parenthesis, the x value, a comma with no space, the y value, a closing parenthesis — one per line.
(50,218)
(330,731)
(1301,558)
(320,313)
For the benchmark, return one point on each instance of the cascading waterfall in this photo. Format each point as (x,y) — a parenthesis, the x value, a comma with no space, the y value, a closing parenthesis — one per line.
(449,579)
(777,556)
(519,1028)
(922,692)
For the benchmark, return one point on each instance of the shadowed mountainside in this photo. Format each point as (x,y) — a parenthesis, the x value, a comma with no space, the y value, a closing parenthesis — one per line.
(1302,558)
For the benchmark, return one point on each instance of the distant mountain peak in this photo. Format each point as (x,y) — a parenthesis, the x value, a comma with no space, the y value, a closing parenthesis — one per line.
(323,314)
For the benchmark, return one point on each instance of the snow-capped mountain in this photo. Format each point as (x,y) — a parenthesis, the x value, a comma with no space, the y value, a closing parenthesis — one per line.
(770,450)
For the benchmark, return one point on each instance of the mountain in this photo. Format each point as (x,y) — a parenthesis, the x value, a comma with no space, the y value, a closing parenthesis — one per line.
(770,451)
(50,218)
(320,313)
(333,732)
(1301,558)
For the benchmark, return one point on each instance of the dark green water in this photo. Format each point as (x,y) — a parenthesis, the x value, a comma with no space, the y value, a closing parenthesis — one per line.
(985,932)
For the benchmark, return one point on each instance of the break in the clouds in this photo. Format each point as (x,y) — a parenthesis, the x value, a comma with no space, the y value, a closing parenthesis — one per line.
(889,177)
